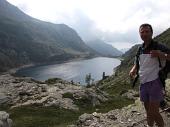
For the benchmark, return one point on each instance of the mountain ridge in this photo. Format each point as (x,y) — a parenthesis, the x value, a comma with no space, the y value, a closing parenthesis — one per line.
(104,48)
(25,40)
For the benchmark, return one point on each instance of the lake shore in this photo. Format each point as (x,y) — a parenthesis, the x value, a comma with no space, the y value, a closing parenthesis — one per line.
(14,70)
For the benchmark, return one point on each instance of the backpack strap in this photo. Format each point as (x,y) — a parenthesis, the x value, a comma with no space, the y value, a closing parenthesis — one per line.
(137,66)
(160,65)
(155,48)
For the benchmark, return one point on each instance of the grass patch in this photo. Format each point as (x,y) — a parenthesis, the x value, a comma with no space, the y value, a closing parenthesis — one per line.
(114,103)
(32,116)
(68,95)
(36,116)
(53,81)
(4,107)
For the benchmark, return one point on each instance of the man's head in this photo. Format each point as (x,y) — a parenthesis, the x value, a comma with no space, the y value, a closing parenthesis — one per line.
(146,32)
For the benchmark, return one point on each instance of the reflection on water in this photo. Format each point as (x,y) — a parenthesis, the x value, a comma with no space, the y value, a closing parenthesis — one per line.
(75,71)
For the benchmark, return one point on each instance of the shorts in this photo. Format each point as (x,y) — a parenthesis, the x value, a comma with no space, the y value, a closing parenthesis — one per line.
(151,91)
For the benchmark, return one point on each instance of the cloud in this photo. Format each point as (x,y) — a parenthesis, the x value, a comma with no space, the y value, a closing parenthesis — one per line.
(130,36)
(85,27)
(88,30)
(113,21)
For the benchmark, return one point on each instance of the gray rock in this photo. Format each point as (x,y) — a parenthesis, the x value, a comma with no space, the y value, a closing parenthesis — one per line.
(85,117)
(20,91)
(4,119)
(4,99)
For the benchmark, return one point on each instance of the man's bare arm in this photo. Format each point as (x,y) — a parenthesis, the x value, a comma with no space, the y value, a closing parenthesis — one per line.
(133,71)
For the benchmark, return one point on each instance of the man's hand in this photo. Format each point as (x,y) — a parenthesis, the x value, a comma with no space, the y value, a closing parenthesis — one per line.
(132,72)
(158,53)
(155,53)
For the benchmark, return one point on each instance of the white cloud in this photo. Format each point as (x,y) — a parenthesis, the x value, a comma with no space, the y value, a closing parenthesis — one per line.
(112,20)
(122,45)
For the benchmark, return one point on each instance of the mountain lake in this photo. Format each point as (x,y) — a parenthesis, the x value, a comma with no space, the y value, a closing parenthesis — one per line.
(75,71)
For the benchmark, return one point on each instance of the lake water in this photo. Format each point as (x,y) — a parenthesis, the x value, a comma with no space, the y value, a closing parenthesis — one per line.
(76,70)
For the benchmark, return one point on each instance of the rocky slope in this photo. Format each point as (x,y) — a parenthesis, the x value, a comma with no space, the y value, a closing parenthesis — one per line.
(131,116)
(21,91)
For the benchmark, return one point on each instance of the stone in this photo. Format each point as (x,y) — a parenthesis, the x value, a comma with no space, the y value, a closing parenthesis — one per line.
(4,119)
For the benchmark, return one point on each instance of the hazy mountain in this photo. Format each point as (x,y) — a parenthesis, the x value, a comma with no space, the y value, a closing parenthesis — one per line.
(103,48)
(25,40)
(124,50)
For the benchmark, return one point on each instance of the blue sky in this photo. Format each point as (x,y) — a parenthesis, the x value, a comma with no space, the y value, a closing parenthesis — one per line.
(114,21)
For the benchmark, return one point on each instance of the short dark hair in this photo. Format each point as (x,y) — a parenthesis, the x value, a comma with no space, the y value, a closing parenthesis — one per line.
(145,25)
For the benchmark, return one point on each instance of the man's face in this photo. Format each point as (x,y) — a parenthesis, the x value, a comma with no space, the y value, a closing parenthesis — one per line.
(145,33)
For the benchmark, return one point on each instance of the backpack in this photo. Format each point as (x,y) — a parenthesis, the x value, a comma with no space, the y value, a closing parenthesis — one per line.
(163,73)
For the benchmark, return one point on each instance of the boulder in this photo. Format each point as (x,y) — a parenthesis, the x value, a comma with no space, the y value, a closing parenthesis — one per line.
(5,121)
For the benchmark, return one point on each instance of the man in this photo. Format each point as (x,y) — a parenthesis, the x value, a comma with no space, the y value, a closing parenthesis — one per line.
(151,88)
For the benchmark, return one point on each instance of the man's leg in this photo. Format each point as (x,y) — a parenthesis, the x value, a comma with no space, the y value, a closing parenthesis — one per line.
(150,119)
(144,97)
(154,114)
(156,95)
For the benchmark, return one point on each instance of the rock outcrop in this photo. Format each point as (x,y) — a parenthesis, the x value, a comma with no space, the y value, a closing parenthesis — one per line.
(20,91)
(126,117)
(131,116)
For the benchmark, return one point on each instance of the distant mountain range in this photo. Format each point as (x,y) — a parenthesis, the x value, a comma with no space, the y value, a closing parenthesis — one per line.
(124,50)
(104,48)
(25,40)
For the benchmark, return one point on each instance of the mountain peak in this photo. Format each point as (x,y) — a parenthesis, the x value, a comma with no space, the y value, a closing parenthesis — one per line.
(103,48)
(3,4)
(24,39)
(10,11)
